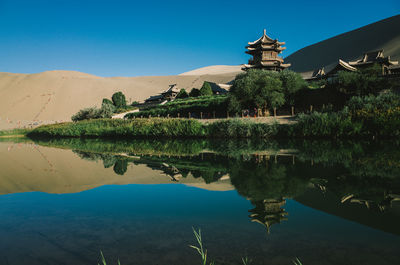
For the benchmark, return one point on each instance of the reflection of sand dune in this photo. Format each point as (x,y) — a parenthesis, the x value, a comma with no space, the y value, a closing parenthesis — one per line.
(27,167)
(57,95)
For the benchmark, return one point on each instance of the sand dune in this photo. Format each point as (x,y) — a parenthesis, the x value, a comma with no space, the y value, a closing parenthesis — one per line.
(384,34)
(216,70)
(57,95)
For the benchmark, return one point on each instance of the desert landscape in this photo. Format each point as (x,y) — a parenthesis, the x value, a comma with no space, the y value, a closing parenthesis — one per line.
(54,96)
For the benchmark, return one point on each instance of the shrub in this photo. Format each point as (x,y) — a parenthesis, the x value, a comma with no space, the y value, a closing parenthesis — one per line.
(194,93)
(206,90)
(106,101)
(182,94)
(119,100)
(106,111)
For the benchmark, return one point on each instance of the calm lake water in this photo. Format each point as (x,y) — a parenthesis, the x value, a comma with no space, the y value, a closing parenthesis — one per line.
(64,201)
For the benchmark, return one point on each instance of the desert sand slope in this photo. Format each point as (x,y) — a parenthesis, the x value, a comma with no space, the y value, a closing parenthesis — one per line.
(216,70)
(57,95)
(384,34)
(27,167)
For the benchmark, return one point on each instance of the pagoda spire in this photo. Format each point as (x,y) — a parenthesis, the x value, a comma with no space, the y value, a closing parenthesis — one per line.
(265,53)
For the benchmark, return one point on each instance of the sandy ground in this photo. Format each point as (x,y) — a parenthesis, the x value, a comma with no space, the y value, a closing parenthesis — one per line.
(54,96)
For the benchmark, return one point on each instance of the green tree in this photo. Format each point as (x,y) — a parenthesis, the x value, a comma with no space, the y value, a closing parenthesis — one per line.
(119,100)
(364,82)
(194,93)
(107,105)
(107,101)
(291,83)
(258,88)
(206,90)
(233,104)
(182,94)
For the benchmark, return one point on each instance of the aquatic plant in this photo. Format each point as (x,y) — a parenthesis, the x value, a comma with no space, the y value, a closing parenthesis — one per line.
(103,260)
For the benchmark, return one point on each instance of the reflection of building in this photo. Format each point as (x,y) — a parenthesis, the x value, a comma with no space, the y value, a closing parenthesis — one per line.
(386,65)
(265,53)
(268,212)
(383,204)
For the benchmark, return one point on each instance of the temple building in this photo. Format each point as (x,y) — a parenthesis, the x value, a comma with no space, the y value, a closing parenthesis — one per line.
(265,53)
(368,59)
(269,212)
(167,95)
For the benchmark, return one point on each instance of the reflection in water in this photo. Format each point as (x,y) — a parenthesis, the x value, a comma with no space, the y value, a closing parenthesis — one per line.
(357,181)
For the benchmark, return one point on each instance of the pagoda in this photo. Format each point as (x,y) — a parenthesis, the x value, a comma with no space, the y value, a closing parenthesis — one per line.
(265,53)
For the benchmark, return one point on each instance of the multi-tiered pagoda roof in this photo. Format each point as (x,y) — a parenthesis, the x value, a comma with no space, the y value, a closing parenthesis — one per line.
(265,53)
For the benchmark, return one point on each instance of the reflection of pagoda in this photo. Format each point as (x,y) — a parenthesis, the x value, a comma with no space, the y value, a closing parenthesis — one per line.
(265,53)
(268,212)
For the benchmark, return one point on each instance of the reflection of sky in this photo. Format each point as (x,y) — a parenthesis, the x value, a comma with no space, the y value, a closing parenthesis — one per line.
(140,222)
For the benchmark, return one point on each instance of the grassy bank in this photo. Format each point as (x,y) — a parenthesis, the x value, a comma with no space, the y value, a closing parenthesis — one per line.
(157,127)
(14,133)
(344,124)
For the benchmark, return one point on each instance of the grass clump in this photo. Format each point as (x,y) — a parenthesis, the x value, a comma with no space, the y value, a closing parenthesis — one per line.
(237,128)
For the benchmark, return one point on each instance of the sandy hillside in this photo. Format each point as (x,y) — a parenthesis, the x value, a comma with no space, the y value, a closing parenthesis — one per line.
(57,95)
(216,69)
(384,34)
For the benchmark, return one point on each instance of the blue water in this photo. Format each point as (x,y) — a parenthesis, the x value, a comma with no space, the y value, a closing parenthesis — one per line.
(152,224)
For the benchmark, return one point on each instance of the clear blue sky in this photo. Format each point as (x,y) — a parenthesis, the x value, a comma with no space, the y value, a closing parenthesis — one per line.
(147,37)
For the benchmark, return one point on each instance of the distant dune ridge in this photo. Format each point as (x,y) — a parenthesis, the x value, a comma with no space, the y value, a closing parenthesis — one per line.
(56,95)
(384,34)
(216,70)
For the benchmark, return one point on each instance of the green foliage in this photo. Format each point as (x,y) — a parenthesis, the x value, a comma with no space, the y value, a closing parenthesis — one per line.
(106,111)
(194,93)
(106,101)
(206,90)
(258,88)
(14,132)
(205,104)
(119,100)
(233,104)
(292,83)
(361,117)
(363,82)
(123,128)
(237,128)
(182,94)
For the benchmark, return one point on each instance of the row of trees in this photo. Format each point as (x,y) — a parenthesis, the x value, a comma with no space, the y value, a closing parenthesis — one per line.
(205,90)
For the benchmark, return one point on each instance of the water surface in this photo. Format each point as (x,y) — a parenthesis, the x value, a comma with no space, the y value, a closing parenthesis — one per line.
(325,202)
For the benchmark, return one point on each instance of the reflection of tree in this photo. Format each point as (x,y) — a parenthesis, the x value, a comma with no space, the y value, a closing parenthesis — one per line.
(367,171)
(121,166)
